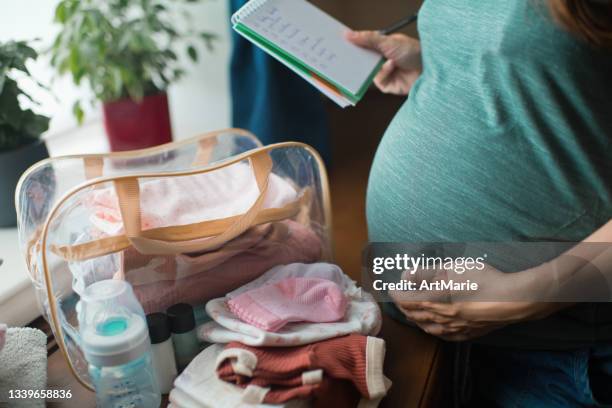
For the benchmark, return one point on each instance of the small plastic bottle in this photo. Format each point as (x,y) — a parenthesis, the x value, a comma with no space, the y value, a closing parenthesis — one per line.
(115,342)
(184,338)
(164,362)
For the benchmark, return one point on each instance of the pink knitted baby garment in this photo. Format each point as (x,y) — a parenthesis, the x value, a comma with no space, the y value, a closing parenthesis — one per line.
(270,307)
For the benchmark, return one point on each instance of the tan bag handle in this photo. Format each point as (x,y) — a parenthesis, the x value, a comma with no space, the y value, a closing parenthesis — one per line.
(204,229)
(128,194)
(204,151)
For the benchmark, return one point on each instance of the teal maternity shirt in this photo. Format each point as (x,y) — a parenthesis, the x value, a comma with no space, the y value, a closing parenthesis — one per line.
(506,136)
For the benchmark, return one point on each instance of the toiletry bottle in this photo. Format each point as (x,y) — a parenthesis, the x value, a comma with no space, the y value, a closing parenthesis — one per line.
(163,351)
(182,325)
(116,345)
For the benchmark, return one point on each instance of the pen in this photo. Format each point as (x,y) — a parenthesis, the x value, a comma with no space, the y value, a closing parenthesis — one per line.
(399,25)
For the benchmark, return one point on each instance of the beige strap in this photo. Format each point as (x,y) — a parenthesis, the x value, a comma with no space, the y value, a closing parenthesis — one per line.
(206,147)
(128,195)
(94,166)
(109,245)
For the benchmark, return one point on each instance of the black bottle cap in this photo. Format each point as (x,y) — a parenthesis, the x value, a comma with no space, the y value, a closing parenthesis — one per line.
(181,318)
(159,327)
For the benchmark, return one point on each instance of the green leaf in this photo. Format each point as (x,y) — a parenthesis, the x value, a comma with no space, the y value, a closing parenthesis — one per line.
(60,12)
(35,125)
(74,63)
(3,72)
(10,110)
(193,54)
(78,113)
(208,38)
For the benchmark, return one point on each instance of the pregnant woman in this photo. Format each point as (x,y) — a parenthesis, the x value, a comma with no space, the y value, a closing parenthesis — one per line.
(506,135)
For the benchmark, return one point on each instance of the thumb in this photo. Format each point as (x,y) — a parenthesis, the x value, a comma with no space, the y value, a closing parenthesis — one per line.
(366,39)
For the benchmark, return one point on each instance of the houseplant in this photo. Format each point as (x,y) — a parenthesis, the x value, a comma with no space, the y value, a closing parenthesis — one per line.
(124,51)
(20,128)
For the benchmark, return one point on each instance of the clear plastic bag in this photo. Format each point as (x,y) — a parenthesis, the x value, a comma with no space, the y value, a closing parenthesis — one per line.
(184,222)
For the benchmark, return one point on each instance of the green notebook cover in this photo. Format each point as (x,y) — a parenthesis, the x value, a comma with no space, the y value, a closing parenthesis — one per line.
(273,49)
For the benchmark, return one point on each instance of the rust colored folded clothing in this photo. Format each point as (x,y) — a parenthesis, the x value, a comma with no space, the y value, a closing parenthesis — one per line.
(161,281)
(353,362)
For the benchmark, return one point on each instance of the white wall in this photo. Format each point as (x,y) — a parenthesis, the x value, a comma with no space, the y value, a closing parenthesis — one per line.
(199,103)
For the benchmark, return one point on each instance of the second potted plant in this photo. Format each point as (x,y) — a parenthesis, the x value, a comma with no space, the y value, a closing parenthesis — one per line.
(123,49)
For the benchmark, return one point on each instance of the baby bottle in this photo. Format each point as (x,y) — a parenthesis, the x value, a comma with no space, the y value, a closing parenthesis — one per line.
(115,342)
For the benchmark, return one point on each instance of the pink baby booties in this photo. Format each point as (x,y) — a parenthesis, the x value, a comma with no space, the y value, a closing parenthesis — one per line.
(270,307)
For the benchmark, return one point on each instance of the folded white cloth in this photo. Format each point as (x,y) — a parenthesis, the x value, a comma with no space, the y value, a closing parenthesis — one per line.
(363,314)
(199,387)
(23,365)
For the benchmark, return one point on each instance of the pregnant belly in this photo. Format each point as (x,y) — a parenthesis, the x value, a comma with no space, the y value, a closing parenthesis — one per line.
(430,183)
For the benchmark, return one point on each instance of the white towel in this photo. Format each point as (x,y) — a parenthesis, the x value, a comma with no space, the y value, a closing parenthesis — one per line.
(23,365)
(363,315)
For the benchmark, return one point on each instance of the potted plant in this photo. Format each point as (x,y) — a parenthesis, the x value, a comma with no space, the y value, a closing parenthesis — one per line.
(20,128)
(124,51)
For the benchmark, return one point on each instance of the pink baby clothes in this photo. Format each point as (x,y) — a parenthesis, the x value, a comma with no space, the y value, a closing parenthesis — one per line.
(271,307)
(169,201)
(206,280)
(362,315)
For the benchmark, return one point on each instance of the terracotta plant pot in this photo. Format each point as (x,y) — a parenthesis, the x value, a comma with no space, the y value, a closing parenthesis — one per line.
(134,125)
(12,164)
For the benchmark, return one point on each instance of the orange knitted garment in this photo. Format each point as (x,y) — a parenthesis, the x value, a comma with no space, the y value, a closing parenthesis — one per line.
(316,370)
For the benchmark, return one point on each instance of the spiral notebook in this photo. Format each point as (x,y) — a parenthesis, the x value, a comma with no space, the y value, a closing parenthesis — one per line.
(312,44)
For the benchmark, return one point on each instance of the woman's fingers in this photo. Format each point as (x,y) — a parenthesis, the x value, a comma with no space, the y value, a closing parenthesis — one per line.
(384,76)
(438,330)
(366,39)
(441,308)
(426,317)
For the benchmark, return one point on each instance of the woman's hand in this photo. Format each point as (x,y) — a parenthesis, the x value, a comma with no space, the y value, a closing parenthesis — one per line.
(460,316)
(403,54)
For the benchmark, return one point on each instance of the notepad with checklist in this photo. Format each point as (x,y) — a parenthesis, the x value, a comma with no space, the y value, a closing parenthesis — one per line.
(312,44)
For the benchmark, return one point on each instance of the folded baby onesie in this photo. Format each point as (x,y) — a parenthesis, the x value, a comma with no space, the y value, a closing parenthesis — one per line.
(306,371)
(199,387)
(272,306)
(362,313)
